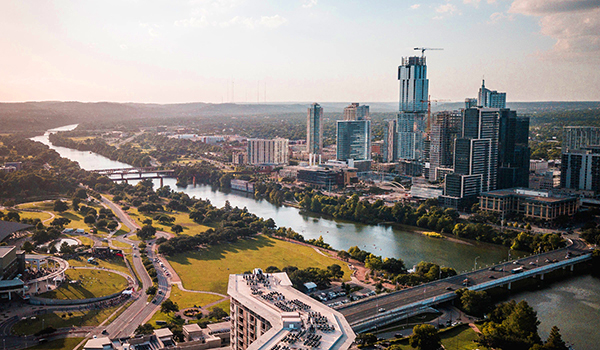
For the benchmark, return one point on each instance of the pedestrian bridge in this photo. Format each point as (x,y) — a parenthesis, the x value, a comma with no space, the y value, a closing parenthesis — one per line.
(382,310)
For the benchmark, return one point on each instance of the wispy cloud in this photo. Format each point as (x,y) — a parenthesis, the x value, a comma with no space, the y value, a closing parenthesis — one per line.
(472,2)
(415,6)
(196,22)
(575,25)
(269,22)
(499,17)
(309,3)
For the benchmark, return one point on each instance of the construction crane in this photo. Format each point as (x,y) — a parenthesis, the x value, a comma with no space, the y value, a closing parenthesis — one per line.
(422,49)
(429,100)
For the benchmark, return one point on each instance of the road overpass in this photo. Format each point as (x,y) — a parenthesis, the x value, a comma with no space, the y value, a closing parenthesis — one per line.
(367,314)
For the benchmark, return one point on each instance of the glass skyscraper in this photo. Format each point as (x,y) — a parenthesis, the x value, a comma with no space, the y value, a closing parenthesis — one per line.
(353,139)
(314,129)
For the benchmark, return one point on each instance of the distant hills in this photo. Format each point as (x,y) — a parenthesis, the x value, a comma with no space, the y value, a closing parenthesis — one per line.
(39,116)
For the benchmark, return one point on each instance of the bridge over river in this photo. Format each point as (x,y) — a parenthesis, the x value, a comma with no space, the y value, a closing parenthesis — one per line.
(370,313)
(125,174)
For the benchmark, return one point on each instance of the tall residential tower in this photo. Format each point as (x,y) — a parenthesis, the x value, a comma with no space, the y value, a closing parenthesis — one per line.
(314,129)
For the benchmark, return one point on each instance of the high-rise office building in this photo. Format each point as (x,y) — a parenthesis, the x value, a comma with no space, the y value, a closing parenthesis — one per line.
(314,129)
(475,158)
(262,151)
(390,141)
(580,137)
(580,169)
(513,150)
(353,139)
(445,129)
(356,112)
(490,98)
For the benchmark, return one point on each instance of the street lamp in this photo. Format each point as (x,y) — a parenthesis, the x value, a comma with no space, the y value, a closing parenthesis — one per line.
(476,262)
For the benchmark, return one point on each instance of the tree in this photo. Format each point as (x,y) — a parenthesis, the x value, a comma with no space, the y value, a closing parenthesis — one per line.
(66,249)
(177,229)
(146,328)
(168,306)
(89,219)
(60,206)
(366,338)
(555,341)
(81,193)
(146,232)
(425,337)
(217,313)
(112,225)
(474,303)
(151,290)
(28,247)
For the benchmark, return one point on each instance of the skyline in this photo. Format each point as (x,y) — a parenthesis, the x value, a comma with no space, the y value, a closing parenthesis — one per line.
(306,50)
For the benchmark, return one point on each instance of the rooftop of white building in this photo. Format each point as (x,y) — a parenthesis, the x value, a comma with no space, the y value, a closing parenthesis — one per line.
(298,321)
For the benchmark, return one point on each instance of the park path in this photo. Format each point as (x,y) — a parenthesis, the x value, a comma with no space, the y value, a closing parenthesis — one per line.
(180,286)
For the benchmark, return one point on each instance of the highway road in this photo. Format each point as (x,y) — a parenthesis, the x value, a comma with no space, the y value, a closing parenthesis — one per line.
(141,309)
(367,308)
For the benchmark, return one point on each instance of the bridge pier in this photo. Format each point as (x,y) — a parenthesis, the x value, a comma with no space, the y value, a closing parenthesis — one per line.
(161,182)
(542,277)
(194,181)
(509,285)
(572,267)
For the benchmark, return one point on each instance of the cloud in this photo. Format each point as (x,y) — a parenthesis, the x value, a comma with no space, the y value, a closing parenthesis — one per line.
(193,22)
(445,10)
(269,22)
(272,21)
(499,17)
(472,2)
(123,47)
(543,7)
(150,28)
(309,3)
(415,6)
(574,24)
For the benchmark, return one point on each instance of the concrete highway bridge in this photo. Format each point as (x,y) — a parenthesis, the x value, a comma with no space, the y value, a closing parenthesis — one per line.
(125,174)
(368,314)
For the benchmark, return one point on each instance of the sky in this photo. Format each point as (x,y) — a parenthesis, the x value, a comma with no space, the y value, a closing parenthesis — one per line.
(160,51)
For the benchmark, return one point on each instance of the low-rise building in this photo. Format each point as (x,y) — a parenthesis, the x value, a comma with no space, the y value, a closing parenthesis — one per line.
(322,177)
(539,204)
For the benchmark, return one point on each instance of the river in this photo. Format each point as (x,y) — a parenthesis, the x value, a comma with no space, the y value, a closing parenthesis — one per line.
(573,305)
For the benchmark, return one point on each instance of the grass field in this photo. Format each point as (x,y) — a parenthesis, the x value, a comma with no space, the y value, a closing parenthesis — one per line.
(58,344)
(121,245)
(93,284)
(62,319)
(218,262)
(225,305)
(116,263)
(185,300)
(458,338)
(35,215)
(189,226)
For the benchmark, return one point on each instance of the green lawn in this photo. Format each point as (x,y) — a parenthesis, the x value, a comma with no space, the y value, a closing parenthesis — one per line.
(225,305)
(93,283)
(62,319)
(35,215)
(116,263)
(209,269)
(59,344)
(83,239)
(458,338)
(121,245)
(185,300)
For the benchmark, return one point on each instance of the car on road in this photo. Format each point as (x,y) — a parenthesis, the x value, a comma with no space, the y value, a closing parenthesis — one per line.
(449,288)
(381,309)
(160,292)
